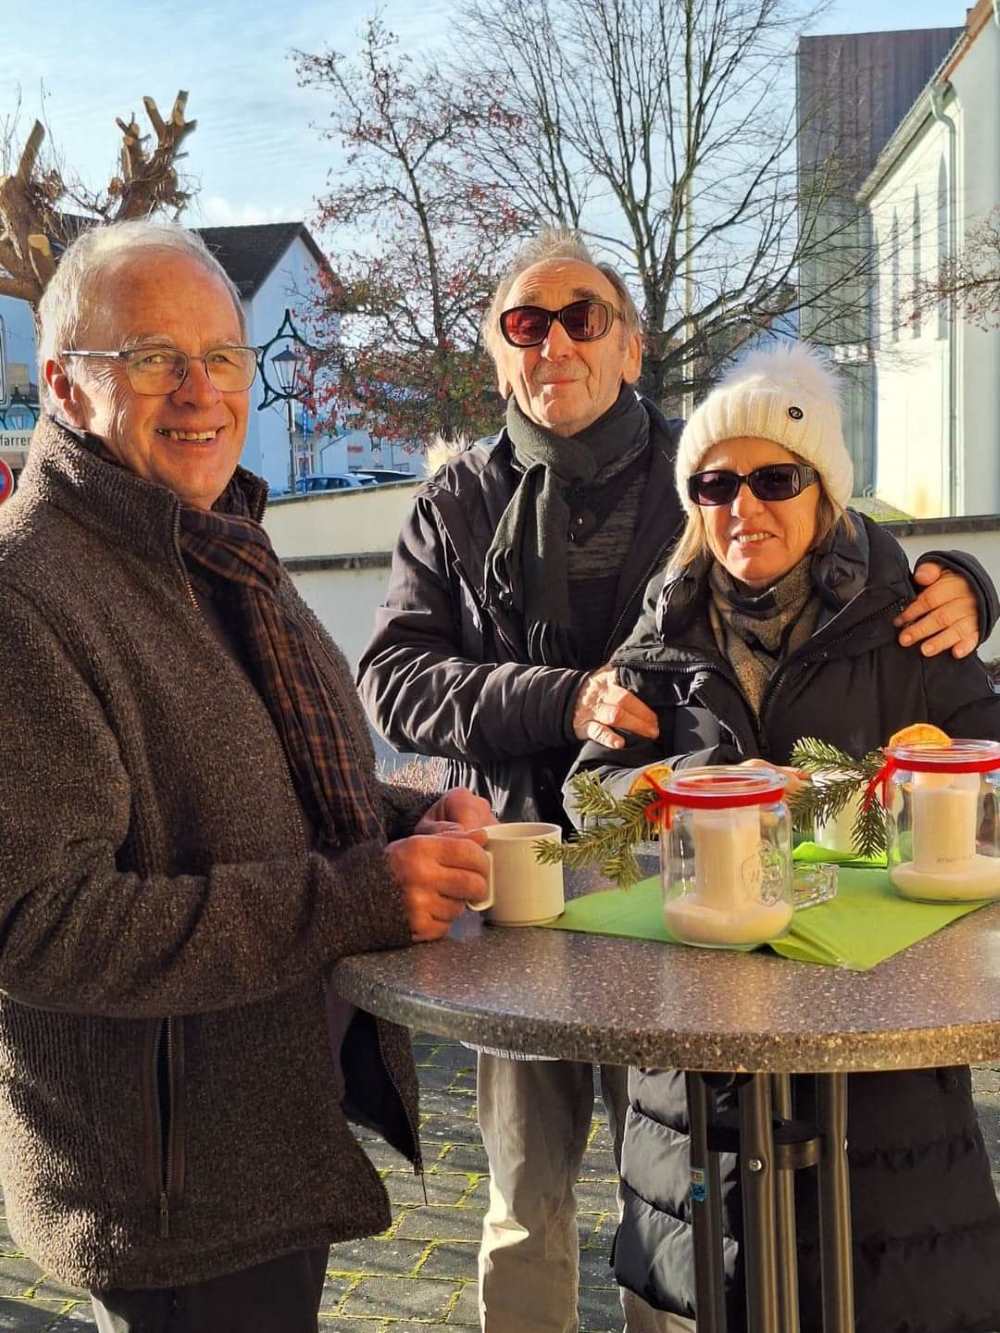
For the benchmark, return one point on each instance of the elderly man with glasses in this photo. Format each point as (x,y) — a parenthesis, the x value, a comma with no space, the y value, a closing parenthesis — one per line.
(191,835)
(519,571)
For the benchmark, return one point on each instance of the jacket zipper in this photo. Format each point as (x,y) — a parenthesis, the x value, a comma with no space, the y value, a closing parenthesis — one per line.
(640,586)
(166,1135)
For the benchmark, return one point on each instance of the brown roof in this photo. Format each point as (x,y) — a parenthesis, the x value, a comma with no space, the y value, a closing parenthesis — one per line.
(250,253)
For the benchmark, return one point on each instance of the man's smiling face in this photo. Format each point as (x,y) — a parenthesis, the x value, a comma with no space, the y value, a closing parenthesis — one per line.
(189,440)
(561,384)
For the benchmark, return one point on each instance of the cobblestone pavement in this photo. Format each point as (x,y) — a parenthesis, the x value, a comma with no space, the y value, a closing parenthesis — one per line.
(420,1275)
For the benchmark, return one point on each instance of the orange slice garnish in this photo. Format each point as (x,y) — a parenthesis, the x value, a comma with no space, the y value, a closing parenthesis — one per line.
(920,733)
(660,773)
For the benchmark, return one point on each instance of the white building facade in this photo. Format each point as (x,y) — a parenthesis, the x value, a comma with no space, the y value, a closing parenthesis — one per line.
(275,267)
(936,378)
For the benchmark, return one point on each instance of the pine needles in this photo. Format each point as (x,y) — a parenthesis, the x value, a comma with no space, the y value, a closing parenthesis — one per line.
(621,825)
(836,779)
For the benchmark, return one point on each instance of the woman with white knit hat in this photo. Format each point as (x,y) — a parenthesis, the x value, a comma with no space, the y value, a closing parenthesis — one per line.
(775,621)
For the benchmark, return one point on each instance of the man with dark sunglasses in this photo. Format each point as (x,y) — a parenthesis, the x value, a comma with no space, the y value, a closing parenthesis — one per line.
(520,569)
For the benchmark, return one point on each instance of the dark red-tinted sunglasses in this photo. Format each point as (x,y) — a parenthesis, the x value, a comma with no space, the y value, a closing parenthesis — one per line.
(773,481)
(584,321)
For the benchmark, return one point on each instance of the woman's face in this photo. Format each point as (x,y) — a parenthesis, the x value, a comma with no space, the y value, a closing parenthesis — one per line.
(758,541)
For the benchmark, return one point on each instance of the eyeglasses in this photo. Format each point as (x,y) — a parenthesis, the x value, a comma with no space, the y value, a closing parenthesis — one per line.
(773,481)
(154,372)
(584,321)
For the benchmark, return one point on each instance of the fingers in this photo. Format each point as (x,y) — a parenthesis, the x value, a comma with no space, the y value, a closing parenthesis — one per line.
(603,706)
(438,875)
(465,808)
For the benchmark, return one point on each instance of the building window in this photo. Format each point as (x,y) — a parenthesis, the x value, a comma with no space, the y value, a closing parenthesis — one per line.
(918,270)
(942,244)
(895,310)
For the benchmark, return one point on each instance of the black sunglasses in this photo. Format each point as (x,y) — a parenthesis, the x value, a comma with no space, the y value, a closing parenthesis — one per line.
(773,481)
(584,321)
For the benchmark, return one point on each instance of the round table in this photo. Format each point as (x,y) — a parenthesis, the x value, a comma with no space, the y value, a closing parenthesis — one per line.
(636,1002)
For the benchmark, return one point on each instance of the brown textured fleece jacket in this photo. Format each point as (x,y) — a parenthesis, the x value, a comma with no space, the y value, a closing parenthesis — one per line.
(168,1105)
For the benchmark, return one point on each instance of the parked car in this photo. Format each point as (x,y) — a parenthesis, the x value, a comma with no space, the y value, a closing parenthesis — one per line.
(383,474)
(332,481)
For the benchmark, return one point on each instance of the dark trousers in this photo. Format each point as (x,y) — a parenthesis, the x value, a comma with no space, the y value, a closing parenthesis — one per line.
(281,1296)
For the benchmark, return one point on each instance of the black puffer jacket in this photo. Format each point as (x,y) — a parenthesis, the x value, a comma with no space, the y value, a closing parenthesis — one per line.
(447,670)
(925,1215)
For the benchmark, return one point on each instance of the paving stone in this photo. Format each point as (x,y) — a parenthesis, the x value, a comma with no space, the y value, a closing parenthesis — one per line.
(26,1316)
(600,1310)
(401,1298)
(335,1289)
(465,1312)
(79,1319)
(394,1257)
(464,1157)
(441,1224)
(450,1129)
(442,1188)
(452,1259)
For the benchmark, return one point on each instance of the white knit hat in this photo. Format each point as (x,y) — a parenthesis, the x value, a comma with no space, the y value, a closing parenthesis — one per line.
(787,393)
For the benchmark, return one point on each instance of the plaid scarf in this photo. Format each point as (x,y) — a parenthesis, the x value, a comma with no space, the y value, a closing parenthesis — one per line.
(235,551)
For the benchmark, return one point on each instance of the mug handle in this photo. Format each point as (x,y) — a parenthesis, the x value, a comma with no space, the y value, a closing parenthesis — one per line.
(486,902)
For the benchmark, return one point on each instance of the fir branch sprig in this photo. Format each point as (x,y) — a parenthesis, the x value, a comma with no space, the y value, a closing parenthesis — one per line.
(621,824)
(837,778)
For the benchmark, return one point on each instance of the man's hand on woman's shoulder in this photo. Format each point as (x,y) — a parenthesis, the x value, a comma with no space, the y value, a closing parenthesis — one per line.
(945,615)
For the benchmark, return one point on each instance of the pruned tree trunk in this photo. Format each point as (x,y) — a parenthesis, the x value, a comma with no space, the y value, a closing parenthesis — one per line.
(33,227)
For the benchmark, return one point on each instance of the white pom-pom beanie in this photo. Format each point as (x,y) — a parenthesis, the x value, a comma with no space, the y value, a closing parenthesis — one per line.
(787,393)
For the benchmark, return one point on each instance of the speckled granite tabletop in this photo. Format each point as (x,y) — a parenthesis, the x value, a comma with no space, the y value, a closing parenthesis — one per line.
(593,997)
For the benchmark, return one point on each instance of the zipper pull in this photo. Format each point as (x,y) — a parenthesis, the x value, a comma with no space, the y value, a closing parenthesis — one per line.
(164,1216)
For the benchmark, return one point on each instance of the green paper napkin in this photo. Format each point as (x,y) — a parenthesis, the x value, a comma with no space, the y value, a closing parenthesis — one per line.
(813,852)
(866,923)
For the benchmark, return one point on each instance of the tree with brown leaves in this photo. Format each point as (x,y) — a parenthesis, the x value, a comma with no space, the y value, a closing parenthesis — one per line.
(34,198)
(970,280)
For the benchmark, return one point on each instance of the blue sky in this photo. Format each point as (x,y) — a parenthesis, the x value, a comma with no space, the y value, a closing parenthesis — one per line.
(253,154)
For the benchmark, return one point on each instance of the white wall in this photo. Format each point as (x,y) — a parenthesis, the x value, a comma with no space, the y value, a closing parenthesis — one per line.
(366,523)
(912,366)
(976,80)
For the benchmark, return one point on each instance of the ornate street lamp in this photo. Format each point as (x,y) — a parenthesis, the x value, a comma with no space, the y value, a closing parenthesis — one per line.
(282,375)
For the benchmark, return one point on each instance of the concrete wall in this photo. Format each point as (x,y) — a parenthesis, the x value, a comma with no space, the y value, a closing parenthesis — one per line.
(338,549)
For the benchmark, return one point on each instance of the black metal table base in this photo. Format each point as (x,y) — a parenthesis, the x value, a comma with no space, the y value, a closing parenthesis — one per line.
(769,1233)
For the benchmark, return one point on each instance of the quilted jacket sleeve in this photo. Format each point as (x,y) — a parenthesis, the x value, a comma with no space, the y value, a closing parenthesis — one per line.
(424,696)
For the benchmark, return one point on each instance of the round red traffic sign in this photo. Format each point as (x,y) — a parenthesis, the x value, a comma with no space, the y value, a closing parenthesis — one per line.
(6,481)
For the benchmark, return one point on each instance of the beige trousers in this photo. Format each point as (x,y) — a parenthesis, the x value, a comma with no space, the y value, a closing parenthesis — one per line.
(535,1117)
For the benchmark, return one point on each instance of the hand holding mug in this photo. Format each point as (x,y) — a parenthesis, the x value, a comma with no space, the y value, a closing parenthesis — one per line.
(440,875)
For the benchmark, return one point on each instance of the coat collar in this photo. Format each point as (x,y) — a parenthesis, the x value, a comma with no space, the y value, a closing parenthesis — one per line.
(122,508)
(857,576)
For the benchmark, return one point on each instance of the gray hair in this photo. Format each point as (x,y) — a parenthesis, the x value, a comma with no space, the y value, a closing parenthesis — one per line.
(549,244)
(67,301)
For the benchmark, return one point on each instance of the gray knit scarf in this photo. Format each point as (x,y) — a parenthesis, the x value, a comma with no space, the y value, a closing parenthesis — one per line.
(526,564)
(756,630)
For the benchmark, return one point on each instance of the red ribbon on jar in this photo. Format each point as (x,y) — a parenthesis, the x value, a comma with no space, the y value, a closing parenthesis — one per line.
(691,791)
(958,757)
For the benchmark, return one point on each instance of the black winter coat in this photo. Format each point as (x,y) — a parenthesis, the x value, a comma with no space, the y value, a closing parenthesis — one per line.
(925,1214)
(447,670)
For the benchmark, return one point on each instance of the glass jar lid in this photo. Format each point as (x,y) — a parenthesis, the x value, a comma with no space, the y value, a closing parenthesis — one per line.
(722,788)
(966,756)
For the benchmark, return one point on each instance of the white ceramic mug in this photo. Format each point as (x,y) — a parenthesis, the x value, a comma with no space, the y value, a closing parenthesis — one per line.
(522,890)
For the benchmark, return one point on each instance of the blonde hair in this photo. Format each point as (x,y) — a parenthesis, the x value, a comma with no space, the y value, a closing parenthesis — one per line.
(692,544)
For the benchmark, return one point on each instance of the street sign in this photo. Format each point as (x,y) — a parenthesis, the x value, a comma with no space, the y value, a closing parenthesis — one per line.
(6,482)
